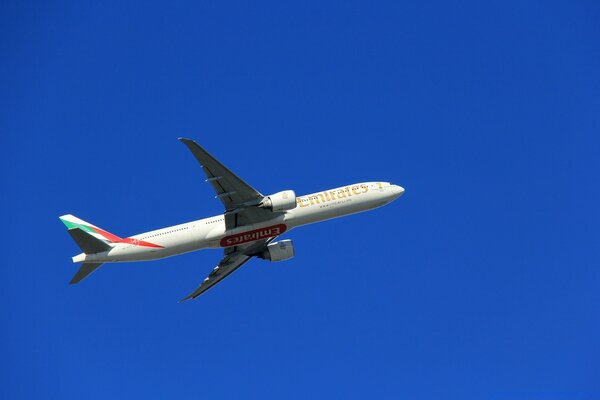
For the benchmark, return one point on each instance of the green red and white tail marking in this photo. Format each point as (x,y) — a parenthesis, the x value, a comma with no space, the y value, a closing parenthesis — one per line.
(71,222)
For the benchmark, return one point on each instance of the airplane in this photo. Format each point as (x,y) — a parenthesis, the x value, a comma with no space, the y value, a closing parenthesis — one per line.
(248,227)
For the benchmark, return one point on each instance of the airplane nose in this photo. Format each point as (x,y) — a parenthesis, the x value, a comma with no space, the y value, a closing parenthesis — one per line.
(397,190)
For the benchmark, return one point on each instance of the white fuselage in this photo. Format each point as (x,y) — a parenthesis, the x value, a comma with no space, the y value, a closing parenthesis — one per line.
(211,232)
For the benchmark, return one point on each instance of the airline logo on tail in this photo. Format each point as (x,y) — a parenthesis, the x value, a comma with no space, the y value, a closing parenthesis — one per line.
(72,222)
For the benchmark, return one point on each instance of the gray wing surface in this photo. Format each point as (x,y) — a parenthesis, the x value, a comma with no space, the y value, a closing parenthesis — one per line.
(239,198)
(234,258)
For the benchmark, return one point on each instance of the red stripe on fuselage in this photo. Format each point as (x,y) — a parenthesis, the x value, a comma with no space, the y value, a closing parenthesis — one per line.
(115,239)
(107,235)
(137,242)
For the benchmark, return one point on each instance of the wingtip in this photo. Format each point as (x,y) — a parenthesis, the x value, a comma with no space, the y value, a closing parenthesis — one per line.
(185,299)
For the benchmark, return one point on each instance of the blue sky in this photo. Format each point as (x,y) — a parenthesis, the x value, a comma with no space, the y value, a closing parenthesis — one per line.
(482,281)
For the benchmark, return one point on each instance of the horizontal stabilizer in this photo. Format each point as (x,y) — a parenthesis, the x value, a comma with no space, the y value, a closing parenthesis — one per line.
(88,243)
(84,271)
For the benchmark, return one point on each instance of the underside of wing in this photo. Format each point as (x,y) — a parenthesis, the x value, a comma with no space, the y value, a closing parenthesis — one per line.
(239,198)
(234,258)
(230,188)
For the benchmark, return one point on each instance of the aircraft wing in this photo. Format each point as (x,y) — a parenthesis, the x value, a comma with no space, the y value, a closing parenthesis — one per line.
(234,258)
(239,198)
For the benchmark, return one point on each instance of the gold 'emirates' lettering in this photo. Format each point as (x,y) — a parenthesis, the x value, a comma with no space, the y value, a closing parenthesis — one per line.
(252,236)
(332,195)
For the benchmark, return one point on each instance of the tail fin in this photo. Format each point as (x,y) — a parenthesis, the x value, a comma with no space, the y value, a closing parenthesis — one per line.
(87,243)
(73,222)
(90,240)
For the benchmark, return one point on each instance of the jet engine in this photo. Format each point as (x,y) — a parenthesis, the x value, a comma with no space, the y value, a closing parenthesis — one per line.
(280,201)
(278,251)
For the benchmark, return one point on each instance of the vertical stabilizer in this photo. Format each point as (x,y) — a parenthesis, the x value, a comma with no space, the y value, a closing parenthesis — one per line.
(72,221)
(91,240)
(88,243)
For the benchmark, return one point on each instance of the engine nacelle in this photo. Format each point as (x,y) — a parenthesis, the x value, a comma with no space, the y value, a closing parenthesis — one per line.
(281,201)
(278,251)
